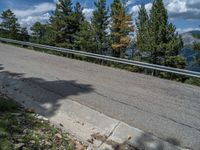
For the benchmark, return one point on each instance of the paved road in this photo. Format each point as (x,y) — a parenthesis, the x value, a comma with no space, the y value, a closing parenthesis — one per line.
(168,109)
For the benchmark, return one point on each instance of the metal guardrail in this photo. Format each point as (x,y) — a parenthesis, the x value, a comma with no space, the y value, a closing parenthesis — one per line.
(109,58)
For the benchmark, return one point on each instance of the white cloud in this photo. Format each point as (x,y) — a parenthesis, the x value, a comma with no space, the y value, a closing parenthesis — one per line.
(40,12)
(179,30)
(37,9)
(88,13)
(30,20)
(185,9)
(148,7)
(135,9)
(129,2)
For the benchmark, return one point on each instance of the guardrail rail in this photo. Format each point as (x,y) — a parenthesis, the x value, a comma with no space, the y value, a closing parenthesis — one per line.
(108,58)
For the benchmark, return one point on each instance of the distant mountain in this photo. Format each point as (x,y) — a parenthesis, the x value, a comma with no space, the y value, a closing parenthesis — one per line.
(188,38)
(187,51)
(189,54)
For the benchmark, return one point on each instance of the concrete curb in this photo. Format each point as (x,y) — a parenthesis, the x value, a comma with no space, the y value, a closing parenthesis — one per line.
(92,127)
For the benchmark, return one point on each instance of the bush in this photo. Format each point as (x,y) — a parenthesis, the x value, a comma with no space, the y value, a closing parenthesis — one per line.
(7,105)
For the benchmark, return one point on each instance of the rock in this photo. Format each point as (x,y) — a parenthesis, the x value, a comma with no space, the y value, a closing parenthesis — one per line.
(91,140)
(20,140)
(47,143)
(41,117)
(19,145)
(32,142)
(58,135)
(16,114)
(30,110)
(129,137)
(79,146)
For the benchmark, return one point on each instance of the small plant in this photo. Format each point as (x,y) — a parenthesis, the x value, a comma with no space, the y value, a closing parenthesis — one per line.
(21,129)
(7,105)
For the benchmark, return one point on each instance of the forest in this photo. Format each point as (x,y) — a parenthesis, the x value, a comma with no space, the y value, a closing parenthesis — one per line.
(111,31)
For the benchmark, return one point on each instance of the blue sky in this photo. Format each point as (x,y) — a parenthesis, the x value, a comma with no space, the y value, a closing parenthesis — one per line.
(185,14)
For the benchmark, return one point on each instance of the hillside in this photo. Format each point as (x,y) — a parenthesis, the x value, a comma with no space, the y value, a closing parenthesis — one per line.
(188,37)
(187,51)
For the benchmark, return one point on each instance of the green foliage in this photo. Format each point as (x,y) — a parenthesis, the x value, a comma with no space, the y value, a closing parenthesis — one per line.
(143,42)
(176,62)
(121,27)
(193,81)
(99,24)
(38,32)
(196,36)
(64,24)
(158,38)
(20,129)
(78,16)
(7,105)
(10,27)
(85,38)
(196,47)
(9,23)
(23,35)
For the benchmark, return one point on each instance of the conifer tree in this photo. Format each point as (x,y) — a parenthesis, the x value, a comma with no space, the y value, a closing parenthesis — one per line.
(24,36)
(165,42)
(78,16)
(64,24)
(100,25)
(196,47)
(85,38)
(60,24)
(121,27)
(10,24)
(142,29)
(158,38)
(38,32)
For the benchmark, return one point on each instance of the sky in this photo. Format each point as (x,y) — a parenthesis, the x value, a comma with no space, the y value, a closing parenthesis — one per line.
(184,14)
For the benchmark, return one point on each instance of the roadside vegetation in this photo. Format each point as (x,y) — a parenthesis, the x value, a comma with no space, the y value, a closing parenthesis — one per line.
(22,129)
(110,31)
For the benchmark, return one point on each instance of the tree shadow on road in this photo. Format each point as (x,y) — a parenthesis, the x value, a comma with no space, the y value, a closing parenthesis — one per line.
(150,142)
(1,68)
(48,94)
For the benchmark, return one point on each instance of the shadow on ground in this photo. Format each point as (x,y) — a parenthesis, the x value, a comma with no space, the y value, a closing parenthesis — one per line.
(148,141)
(52,93)
(145,141)
(1,68)
(49,94)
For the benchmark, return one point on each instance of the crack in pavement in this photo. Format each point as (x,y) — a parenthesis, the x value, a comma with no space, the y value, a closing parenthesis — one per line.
(111,132)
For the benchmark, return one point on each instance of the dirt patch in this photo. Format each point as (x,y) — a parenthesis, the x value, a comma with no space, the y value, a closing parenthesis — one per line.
(116,146)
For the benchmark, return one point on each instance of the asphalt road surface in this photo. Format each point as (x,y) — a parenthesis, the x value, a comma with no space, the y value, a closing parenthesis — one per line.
(167,109)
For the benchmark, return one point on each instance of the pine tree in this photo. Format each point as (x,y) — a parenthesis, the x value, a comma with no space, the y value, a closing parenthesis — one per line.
(158,38)
(100,25)
(24,36)
(165,42)
(121,27)
(85,38)
(60,24)
(196,47)
(64,24)
(142,30)
(38,32)
(10,24)
(78,16)
(196,61)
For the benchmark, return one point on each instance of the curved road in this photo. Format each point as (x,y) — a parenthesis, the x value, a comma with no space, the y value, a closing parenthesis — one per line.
(167,109)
